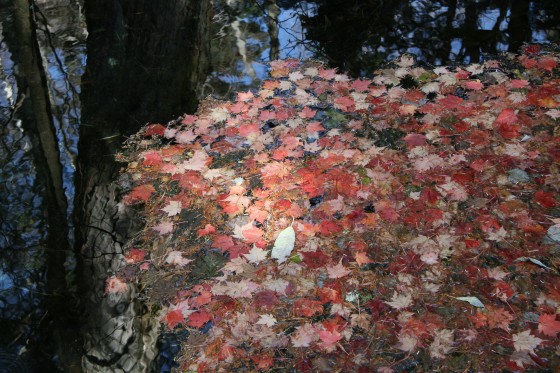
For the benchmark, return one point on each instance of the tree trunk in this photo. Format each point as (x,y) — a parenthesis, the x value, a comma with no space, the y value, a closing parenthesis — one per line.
(145,61)
(32,80)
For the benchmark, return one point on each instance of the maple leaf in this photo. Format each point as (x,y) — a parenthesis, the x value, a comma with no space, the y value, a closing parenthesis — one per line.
(223,242)
(428,162)
(115,285)
(279,285)
(453,191)
(154,129)
(253,234)
(361,320)
(362,258)
(307,307)
(548,325)
(329,339)
(524,341)
(263,361)
(173,208)
(415,139)
(304,335)
(407,342)
(197,162)
(545,199)
(173,318)
(135,256)
(256,255)
(442,344)
(241,289)
(208,229)
(165,227)
(338,270)
(204,298)
(236,265)
(139,193)
(185,137)
(176,257)
(152,158)
(267,319)
(198,319)
(400,301)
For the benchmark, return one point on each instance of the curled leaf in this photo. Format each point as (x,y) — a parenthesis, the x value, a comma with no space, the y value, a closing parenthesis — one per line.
(474,301)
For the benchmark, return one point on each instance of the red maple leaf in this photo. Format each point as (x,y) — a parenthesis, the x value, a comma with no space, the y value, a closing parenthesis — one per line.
(253,235)
(330,339)
(329,227)
(545,199)
(451,102)
(548,325)
(204,298)
(135,256)
(263,361)
(198,319)
(547,63)
(174,318)
(140,193)
(307,307)
(266,299)
(223,242)
(415,139)
(152,158)
(208,229)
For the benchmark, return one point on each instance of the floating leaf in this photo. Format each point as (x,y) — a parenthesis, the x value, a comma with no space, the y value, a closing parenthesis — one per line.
(474,301)
(532,260)
(284,244)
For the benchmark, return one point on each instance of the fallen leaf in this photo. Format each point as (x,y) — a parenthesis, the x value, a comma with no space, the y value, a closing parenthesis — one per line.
(176,257)
(524,341)
(474,301)
(284,244)
(165,227)
(400,301)
(208,229)
(267,319)
(548,325)
(198,319)
(115,285)
(173,208)
(338,270)
(256,255)
(173,318)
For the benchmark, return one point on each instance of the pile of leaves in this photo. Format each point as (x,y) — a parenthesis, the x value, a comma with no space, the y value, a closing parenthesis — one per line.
(408,222)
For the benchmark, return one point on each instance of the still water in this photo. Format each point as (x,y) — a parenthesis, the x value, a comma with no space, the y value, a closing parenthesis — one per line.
(355,36)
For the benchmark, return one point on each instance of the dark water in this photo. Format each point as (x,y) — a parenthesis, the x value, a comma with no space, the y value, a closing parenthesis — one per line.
(355,36)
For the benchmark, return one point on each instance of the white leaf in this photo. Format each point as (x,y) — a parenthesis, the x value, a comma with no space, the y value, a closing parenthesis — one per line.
(400,301)
(284,244)
(524,341)
(267,319)
(176,257)
(173,208)
(474,301)
(532,260)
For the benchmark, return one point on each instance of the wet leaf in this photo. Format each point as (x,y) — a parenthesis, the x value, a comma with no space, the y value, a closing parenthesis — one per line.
(284,245)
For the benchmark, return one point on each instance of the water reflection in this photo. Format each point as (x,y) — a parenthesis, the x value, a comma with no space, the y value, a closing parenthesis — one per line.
(247,34)
(23,224)
(359,35)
